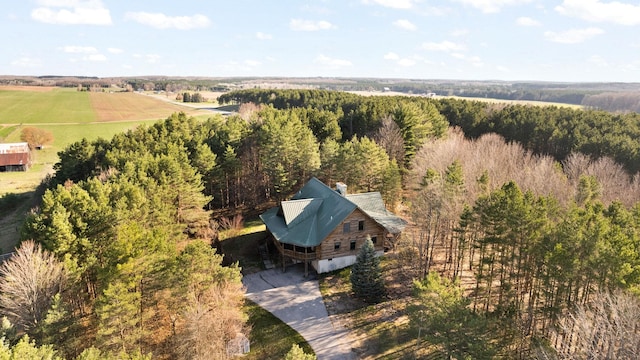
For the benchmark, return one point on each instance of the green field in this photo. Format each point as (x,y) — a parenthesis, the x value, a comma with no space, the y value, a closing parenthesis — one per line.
(37,107)
(70,116)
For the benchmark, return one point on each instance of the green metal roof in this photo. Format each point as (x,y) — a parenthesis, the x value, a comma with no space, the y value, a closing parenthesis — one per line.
(373,205)
(316,210)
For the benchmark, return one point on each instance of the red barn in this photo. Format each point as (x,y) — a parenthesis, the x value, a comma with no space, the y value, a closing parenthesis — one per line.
(15,157)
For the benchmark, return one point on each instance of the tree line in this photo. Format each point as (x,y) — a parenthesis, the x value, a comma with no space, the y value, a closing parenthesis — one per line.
(549,130)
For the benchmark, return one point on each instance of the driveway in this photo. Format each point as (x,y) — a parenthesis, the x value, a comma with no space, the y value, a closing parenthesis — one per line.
(297,301)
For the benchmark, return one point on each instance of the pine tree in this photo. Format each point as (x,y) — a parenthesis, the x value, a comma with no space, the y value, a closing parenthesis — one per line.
(366,277)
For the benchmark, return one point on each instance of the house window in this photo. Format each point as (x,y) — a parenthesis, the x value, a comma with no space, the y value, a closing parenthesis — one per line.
(336,246)
(374,239)
(352,245)
(346,227)
(361,225)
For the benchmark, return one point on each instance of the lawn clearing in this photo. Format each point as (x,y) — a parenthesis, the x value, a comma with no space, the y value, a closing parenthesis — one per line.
(270,337)
(242,245)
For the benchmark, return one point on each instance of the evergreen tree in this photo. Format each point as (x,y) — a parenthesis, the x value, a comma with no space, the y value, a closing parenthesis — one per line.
(366,277)
(441,314)
(296,353)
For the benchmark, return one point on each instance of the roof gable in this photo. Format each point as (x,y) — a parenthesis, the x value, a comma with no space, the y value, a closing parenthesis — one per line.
(296,211)
(316,210)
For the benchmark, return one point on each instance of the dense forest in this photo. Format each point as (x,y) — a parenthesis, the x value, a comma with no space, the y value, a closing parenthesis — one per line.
(528,211)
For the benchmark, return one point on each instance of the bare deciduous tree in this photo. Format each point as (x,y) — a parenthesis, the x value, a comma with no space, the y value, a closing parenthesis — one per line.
(614,181)
(210,322)
(28,282)
(608,328)
(36,137)
(389,137)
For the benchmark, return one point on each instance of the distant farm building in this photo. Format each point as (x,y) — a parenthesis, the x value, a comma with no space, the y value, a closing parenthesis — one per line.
(15,157)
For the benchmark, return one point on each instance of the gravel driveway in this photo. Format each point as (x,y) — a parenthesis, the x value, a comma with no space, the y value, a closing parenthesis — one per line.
(297,301)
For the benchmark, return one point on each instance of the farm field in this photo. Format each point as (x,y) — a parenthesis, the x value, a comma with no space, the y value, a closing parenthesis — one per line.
(489,100)
(22,106)
(131,106)
(70,116)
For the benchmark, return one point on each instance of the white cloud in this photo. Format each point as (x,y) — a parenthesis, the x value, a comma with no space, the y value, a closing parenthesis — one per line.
(503,69)
(79,49)
(331,62)
(162,21)
(446,46)
(391,56)
(491,6)
(597,11)
(252,63)
(90,53)
(394,4)
(71,12)
(115,50)
(263,36)
(527,21)
(405,24)
(573,36)
(27,62)
(406,62)
(309,25)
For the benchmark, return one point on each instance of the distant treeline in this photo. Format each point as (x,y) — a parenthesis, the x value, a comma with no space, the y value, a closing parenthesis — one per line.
(614,101)
(619,97)
(556,131)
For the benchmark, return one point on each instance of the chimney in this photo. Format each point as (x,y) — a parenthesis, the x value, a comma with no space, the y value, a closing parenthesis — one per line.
(341,188)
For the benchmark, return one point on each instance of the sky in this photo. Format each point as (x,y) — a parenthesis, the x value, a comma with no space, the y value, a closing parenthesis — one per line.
(512,40)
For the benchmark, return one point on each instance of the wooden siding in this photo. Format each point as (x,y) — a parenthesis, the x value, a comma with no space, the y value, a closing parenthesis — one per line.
(326,250)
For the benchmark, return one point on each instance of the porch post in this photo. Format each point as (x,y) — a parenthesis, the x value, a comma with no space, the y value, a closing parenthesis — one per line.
(283,257)
(306,263)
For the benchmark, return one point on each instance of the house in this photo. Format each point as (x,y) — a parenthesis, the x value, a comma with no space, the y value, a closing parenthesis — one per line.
(326,228)
(15,157)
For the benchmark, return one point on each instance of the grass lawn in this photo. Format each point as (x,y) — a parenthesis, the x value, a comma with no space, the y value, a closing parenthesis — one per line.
(242,245)
(270,337)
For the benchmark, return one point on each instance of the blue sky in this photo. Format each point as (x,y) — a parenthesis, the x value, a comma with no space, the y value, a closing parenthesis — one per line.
(562,40)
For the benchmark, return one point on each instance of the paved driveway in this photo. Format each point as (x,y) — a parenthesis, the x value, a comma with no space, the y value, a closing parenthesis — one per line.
(297,301)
